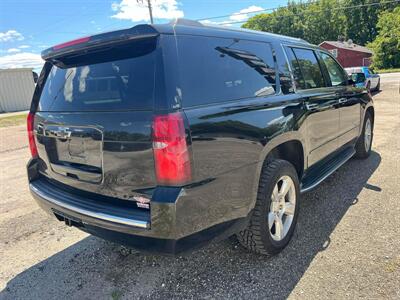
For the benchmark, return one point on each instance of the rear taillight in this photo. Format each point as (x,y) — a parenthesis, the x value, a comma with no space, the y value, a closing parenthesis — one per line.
(31,136)
(171,153)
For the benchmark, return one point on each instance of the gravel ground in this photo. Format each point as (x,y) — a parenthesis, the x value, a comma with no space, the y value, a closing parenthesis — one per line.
(346,245)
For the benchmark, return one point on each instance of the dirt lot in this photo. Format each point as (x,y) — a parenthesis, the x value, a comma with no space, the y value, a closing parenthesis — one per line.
(347,243)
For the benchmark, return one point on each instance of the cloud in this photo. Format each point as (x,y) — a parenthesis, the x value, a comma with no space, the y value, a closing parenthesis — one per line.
(222,23)
(243,14)
(11,35)
(240,16)
(134,11)
(24,46)
(13,50)
(21,60)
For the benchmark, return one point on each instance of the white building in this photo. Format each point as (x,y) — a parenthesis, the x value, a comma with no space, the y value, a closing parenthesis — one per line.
(16,89)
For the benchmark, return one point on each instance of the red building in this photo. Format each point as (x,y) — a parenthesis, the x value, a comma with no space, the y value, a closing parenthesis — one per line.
(348,54)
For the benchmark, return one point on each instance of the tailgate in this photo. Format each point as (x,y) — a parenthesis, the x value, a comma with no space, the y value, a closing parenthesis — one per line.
(100,152)
(94,116)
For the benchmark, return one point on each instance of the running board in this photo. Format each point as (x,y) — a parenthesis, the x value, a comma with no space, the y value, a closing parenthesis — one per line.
(310,182)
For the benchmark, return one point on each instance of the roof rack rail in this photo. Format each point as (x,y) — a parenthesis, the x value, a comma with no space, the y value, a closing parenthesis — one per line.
(186,22)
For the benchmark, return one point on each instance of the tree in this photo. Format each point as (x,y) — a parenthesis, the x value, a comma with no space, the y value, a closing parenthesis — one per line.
(386,46)
(361,21)
(313,21)
(323,22)
(316,21)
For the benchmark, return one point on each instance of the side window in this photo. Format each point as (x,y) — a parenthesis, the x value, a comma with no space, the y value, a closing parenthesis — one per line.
(309,68)
(218,69)
(298,77)
(336,72)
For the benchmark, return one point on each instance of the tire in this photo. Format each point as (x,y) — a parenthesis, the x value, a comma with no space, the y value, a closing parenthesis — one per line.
(363,148)
(259,237)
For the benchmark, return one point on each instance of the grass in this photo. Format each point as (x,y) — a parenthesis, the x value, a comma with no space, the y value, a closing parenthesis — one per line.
(116,295)
(12,120)
(381,71)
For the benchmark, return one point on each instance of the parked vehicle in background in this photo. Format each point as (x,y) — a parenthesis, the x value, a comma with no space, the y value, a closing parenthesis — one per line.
(165,137)
(372,80)
(359,79)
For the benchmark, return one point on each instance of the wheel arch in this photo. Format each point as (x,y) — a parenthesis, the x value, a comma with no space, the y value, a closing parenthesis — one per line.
(282,147)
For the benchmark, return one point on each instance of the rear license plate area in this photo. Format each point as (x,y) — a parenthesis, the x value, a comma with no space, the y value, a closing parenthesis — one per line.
(75,152)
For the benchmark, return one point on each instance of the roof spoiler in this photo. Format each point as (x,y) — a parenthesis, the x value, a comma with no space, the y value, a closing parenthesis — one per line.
(99,40)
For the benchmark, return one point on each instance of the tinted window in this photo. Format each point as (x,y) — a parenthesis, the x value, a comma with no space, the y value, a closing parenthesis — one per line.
(285,78)
(336,73)
(216,69)
(110,85)
(298,77)
(309,68)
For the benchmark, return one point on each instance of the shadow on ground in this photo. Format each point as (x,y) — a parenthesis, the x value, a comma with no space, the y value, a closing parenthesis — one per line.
(93,268)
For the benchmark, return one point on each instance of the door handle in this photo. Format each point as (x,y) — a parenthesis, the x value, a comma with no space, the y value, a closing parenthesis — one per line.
(342,100)
(312,106)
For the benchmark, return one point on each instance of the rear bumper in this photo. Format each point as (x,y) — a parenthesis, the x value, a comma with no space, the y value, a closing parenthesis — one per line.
(84,213)
(156,230)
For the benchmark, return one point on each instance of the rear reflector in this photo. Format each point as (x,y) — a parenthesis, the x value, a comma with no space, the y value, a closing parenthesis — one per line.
(71,43)
(171,154)
(31,136)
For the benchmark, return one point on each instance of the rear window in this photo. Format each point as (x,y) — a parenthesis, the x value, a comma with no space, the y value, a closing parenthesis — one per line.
(220,69)
(102,83)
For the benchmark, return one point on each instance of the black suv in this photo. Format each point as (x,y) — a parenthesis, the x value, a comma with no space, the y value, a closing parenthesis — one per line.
(164,137)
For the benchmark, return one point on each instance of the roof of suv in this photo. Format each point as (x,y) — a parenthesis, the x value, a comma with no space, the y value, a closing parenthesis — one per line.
(179,26)
(185,26)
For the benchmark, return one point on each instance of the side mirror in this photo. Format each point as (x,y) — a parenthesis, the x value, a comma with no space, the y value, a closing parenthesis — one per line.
(361,78)
(350,81)
(356,78)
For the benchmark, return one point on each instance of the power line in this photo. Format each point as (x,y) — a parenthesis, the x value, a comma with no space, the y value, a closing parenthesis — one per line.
(269,9)
(235,14)
(238,14)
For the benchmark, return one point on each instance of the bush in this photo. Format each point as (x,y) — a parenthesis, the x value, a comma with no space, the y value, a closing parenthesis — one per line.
(386,46)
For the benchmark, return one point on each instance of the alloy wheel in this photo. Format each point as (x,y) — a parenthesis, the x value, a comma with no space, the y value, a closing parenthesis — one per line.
(282,208)
(367,134)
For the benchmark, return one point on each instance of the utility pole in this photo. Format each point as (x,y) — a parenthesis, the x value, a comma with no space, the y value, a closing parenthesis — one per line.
(150,9)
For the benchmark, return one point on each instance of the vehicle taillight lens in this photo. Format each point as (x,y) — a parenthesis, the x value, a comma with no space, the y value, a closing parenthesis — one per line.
(31,136)
(171,153)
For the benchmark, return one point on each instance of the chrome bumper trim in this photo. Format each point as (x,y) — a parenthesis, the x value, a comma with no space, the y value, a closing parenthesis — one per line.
(92,214)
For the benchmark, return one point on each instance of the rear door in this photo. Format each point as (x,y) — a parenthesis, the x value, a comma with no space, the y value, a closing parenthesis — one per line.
(348,99)
(94,116)
(320,103)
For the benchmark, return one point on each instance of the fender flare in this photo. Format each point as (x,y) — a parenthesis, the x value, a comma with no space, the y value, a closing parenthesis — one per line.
(270,145)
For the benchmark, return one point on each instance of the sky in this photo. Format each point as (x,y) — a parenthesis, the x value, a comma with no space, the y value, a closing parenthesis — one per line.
(27,27)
